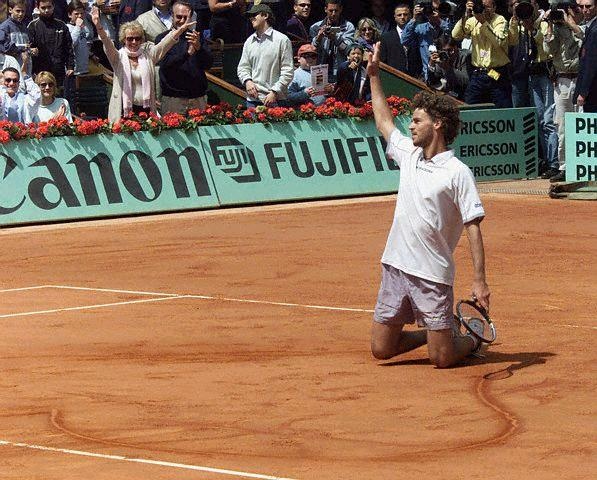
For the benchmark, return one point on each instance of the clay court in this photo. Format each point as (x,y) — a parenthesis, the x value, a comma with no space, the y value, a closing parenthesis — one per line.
(235,344)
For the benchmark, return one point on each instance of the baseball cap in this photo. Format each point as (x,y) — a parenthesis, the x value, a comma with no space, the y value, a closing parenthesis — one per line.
(307,48)
(261,8)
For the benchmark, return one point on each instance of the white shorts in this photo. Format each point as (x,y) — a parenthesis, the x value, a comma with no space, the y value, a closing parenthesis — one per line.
(404,298)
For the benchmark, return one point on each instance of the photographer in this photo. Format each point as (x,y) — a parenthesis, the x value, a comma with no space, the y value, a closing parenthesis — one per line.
(448,67)
(332,37)
(562,41)
(422,31)
(490,79)
(531,83)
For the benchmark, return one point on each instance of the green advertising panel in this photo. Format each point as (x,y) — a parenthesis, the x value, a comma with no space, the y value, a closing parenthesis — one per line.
(297,160)
(581,147)
(102,175)
(498,144)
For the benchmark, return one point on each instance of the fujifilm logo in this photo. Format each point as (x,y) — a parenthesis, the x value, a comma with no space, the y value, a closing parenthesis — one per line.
(235,159)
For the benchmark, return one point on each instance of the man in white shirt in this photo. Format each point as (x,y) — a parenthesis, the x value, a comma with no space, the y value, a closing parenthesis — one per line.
(17,105)
(266,66)
(437,199)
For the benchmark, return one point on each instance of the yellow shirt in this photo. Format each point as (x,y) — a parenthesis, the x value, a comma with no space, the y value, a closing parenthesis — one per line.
(539,32)
(489,40)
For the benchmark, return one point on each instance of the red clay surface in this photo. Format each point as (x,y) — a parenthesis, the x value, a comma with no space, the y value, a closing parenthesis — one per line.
(283,390)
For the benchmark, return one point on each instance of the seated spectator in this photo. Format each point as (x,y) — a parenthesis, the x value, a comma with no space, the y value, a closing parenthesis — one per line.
(157,20)
(300,90)
(353,84)
(133,87)
(227,20)
(379,15)
(332,36)
(393,52)
(297,27)
(367,35)
(51,106)
(449,67)
(14,36)
(17,105)
(182,70)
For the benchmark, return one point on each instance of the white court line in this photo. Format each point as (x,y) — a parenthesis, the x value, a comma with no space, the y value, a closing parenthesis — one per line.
(120,458)
(88,307)
(223,299)
(20,289)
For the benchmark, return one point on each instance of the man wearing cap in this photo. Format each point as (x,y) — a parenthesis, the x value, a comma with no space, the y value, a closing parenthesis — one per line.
(301,89)
(265,67)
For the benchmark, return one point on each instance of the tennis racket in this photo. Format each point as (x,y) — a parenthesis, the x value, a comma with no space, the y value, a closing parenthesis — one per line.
(471,314)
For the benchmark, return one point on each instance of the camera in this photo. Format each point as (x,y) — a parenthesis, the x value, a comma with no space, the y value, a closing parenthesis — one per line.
(524,10)
(329,30)
(557,11)
(427,8)
(444,56)
(478,7)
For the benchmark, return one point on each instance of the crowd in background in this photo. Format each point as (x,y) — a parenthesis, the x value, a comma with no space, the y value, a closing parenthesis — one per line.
(506,52)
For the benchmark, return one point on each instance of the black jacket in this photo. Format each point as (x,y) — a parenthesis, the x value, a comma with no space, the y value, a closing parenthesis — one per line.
(586,84)
(183,75)
(395,55)
(53,40)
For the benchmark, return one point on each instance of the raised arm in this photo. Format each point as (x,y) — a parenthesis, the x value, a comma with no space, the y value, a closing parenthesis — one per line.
(384,120)
(109,48)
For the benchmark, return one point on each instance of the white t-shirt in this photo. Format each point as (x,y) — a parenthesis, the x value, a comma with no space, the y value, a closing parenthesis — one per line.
(46,112)
(435,199)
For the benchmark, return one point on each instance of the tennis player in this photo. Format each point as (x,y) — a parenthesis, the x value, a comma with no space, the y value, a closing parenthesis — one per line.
(437,199)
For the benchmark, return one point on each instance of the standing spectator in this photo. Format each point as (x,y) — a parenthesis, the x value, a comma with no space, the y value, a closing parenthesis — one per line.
(227,20)
(129,10)
(18,105)
(588,11)
(378,13)
(14,37)
(51,106)
(393,52)
(562,41)
(585,95)
(423,30)
(157,20)
(301,89)
(133,88)
(353,83)
(332,36)
(297,27)
(490,80)
(265,67)
(531,83)
(80,36)
(182,70)
(51,40)
(448,67)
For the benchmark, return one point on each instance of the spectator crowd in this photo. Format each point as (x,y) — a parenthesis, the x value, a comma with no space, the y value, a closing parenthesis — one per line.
(511,53)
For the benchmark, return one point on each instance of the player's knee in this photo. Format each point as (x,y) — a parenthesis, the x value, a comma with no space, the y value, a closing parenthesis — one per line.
(441,359)
(381,351)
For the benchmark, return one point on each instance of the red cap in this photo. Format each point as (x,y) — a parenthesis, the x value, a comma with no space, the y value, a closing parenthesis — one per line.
(307,48)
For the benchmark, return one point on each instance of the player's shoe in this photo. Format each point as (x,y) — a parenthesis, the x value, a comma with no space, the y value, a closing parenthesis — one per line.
(479,347)
(477,326)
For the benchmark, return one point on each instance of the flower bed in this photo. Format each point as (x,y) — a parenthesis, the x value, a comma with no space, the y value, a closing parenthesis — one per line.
(222,114)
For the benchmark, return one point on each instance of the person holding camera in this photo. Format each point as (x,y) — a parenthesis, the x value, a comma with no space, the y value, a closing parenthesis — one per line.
(562,41)
(448,67)
(531,83)
(332,37)
(424,28)
(488,31)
